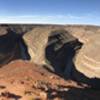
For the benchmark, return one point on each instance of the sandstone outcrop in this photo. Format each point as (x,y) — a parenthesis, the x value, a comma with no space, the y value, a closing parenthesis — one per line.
(36,41)
(87,61)
(83,32)
(50,46)
(55,46)
(60,50)
(3,31)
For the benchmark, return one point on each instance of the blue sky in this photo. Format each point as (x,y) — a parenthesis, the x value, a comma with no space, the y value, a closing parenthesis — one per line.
(50,11)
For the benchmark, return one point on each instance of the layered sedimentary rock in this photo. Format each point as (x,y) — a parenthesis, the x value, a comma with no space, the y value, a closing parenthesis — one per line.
(48,44)
(60,50)
(87,61)
(36,41)
(83,32)
(56,47)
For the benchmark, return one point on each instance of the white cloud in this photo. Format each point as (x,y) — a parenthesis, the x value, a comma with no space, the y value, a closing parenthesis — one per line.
(56,19)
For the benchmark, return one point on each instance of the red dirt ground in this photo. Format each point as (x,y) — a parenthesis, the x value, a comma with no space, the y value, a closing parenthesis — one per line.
(22,80)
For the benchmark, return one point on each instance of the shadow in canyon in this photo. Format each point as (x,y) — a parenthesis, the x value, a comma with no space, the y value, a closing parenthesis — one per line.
(74,94)
(60,51)
(60,56)
(12,47)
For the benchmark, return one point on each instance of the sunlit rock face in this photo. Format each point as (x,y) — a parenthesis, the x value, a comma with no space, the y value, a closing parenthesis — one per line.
(12,46)
(3,31)
(36,41)
(83,32)
(88,59)
(87,63)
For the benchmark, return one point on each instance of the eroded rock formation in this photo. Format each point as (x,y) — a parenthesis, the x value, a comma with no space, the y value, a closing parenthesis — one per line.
(88,59)
(36,41)
(56,47)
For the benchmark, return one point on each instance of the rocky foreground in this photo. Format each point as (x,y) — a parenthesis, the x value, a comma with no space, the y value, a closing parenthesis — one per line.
(49,62)
(21,80)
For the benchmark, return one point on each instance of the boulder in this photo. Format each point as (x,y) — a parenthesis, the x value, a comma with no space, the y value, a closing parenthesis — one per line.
(83,32)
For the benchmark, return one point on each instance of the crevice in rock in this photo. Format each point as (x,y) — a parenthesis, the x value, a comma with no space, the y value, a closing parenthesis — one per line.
(24,50)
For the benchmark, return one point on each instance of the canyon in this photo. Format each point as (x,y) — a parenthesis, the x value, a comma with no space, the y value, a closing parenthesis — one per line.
(49,62)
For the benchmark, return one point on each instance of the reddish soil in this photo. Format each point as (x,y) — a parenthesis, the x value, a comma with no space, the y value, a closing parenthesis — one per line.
(22,80)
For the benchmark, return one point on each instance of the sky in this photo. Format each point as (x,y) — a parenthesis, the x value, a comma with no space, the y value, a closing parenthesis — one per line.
(50,11)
